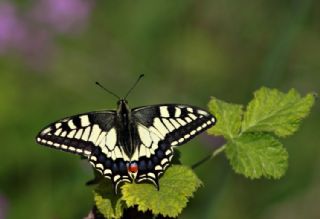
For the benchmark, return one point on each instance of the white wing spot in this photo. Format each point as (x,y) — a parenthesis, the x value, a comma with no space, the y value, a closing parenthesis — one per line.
(102,145)
(187,136)
(204,125)
(159,125)
(79,150)
(86,133)
(79,133)
(202,112)
(65,147)
(71,134)
(192,116)
(63,134)
(209,122)
(108,177)
(58,132)
(174,123)
(46,130)
(181,140)
(177,112)
(165,160)
(164,111)
(117,152)
(99,166)
(190,109)
(193,132)
(168,125)
(107,171)
(100,138)
(181,121)
(154,146)
(155,131)
(174,143)
(111,139)
(151,175)
(71,124)
(199,128)
(142,151)
(43,141)
(116,177)
(72,149)
(213,120)
(144,135)
(188,119)
(56,144)
(58,125)
(168,152)
(94,133)
(158,167)
(84,120)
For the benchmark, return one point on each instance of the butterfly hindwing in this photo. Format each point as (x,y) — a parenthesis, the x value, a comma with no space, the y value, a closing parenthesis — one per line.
(94,136)
(159,129)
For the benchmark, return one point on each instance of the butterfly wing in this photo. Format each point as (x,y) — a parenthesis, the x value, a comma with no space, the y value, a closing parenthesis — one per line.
(161,127)
(93,135)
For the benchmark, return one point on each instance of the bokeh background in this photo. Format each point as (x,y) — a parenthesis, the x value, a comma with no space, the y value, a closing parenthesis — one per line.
(52,51)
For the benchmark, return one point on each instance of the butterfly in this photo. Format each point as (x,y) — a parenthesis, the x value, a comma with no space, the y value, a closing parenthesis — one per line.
(127,145)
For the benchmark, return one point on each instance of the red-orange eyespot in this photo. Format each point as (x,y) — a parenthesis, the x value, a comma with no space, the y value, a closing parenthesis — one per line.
(133,167)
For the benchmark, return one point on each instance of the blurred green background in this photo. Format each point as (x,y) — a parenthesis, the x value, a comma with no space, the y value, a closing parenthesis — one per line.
(52,51)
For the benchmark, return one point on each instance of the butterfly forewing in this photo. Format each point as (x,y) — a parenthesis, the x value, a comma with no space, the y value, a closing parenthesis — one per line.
(160,128)
(94,136)
(152,133)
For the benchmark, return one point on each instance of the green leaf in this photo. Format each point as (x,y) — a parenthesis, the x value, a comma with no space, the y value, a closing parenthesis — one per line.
(228,118)
(277,112)
(257,155)
(109,204)
(177,185)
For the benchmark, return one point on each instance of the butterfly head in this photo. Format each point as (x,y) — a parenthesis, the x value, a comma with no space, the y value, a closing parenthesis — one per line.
(123,106)
(122,102)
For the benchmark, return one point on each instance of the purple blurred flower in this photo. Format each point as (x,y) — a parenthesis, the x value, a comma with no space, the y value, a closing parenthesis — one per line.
(31,35)
(3,207)
(63,15)
(12,30)
(37,48)
(18,36)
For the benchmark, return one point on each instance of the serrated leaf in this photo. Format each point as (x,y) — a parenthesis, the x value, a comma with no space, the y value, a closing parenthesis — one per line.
(257,155)
(177,185)
(228,118)
(109,204)
(277,112)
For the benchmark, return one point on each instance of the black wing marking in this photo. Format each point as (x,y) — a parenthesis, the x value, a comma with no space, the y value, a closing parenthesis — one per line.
(94,136)
(159,128)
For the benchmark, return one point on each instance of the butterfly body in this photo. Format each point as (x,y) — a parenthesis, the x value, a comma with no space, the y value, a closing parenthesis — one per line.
(125,127)
(128,145)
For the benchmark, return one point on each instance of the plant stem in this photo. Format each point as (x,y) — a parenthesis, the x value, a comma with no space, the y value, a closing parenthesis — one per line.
(209,157)
(218,151)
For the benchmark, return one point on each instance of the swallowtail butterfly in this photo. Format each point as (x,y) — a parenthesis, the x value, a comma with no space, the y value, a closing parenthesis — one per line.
(128,145)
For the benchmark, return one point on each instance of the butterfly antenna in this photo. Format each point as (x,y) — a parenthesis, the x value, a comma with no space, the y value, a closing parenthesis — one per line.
(110,92)
(133,86)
